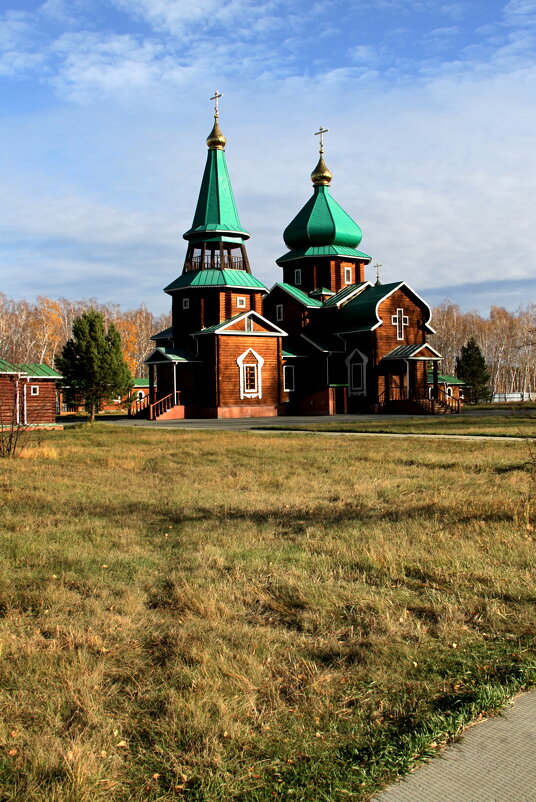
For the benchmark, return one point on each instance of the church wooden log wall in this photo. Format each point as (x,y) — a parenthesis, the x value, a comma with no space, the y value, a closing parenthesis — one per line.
(230,348)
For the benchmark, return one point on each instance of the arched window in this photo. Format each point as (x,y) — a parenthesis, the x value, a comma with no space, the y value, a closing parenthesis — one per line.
(250,367)
(140,395)
(357,373)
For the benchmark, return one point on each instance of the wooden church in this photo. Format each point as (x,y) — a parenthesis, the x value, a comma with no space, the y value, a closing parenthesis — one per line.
(322,341)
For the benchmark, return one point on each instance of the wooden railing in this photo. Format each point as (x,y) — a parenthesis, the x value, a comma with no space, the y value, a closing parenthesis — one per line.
(163,404)
(421,396)
(196,263)
(138,406)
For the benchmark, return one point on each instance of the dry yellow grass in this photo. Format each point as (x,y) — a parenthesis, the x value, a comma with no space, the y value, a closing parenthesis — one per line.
(234,616)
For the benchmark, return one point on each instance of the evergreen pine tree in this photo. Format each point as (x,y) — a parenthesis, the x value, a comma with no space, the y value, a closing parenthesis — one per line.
(92,363)
(471,367)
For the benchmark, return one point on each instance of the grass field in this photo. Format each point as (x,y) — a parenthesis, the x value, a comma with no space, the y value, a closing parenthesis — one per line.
(506,424)
(235,616)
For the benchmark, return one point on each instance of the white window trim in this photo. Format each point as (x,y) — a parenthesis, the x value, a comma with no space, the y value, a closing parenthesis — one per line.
(250,358)
(288,371)
(248,324)
(279,312)
(185,303)
(363,361)
(347,275)
(297,277)
(34,389)
(241,302)
(400,320)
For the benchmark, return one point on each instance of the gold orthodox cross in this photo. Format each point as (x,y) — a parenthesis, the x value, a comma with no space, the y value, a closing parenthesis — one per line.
(321,135)
(215,98)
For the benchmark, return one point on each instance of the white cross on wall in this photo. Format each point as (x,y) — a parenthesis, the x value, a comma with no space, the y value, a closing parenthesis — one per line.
(400,320)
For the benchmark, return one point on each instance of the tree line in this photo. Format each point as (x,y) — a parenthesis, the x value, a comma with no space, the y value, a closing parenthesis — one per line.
(37,332)
(506,339)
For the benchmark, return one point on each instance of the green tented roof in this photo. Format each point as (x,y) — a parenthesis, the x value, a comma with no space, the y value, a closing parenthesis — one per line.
(298,294)
(312,252)
(34,370)
(322,222)
(342,294)
(216,212)
(444,378)
(216,278)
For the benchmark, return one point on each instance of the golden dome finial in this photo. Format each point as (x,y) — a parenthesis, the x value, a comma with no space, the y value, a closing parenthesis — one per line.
(216,139)
(321,176)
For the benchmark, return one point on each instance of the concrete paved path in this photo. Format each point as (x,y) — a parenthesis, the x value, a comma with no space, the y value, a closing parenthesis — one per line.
(494,762)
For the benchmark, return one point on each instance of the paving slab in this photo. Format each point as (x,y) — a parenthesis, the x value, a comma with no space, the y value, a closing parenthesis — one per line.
(494,762)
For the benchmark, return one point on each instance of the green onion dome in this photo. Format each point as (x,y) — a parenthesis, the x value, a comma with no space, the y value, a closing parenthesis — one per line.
(322,221)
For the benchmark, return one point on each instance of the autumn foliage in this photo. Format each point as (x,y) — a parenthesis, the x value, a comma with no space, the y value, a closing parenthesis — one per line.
(37,332)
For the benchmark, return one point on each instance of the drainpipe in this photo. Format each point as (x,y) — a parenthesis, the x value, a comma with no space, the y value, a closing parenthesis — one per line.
(407,380)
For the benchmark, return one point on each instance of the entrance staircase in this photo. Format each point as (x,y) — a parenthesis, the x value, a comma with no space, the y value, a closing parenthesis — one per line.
(395,401)
(167,408)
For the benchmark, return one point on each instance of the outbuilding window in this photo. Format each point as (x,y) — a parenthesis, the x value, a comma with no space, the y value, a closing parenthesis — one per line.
(34,390)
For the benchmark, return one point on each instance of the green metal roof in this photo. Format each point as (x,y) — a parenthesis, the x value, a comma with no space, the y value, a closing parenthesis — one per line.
(324,250)
(171,355)
(34,370)
(360,312)
(322,222)
(141,383)
(342,294)
(298,294)
(216,278)
(324,343)
(444,378)
(409,352)
(321,291)
(165,334)
(216,214)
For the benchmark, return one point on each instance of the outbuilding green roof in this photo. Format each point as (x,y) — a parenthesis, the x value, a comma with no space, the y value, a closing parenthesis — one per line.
(216,278)
(34,370)
(444,378)
(216,215)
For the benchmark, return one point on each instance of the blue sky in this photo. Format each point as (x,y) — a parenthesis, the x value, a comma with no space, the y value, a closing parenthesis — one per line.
(430,106)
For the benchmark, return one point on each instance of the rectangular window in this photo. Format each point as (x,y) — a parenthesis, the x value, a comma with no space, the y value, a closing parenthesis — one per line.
(357,377)
(288,378)
(297,277)
(241,302)
(250,378)
(34,389)
(347,275)
(185,303)
(249,324)
(279,312)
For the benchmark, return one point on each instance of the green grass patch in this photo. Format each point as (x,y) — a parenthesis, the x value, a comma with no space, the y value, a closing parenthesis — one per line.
(226,616)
